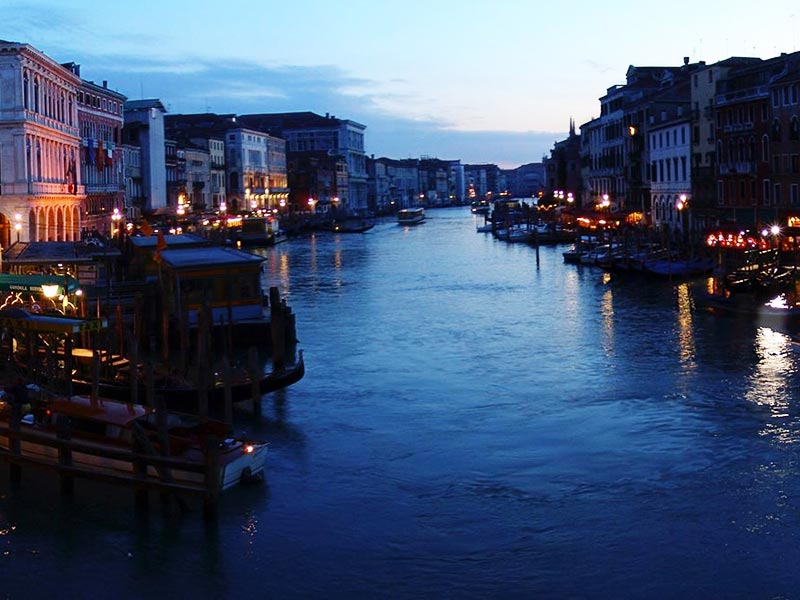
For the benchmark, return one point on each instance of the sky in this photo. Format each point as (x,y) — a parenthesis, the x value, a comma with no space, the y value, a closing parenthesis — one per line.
(493,81)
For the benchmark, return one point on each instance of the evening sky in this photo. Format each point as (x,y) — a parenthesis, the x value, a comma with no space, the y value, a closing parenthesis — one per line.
(482,81)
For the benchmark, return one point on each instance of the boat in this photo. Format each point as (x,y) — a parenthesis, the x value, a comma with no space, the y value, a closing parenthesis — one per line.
(485,228)
(778,311)
(182,395)
(259,231)
(480,207)
(678,267)
(411,216)
(112,439)
(352,225)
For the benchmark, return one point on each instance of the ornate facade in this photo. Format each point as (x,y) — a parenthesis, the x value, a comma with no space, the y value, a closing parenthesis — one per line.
(40,182)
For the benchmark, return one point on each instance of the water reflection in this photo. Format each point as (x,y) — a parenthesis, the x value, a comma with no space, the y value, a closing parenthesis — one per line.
(768,382)
(686,343)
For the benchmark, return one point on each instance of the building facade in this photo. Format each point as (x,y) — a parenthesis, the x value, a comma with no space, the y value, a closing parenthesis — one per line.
(144,127)
(40,182)
(100,118)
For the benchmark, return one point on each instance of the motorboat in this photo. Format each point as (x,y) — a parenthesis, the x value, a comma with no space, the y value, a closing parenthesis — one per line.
(411,216)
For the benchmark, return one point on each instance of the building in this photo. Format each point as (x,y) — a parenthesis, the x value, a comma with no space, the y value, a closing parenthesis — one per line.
(41,191)
(100,118)
(563,183)
(144,127)
(312,134)
(393,184)
(669,140)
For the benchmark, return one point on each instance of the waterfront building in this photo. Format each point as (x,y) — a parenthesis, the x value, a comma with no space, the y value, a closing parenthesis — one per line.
(100,119)
(669,141)
(311,134)
(248,175)
(784,90)
(196,178)
(563,183)
(248,168)
(393,184)
(526,181)
(441,182)
(144,127)
(482,181)
(745,136)
(133,180)
(704,135)
(614,152)
(40,144)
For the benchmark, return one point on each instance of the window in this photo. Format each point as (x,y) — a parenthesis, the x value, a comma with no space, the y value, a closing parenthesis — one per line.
(776,98)
(765,148)
(767,187)
(793,194)
(777,197)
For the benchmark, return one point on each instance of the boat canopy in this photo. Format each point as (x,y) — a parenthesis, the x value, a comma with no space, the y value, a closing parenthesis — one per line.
(10,282)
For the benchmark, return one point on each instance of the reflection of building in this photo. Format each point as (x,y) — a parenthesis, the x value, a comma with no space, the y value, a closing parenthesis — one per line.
(40,181)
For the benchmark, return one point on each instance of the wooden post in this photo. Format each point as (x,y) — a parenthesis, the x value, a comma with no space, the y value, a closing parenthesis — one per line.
(64,454)
(15,470)
(133,367)
(140,472)
(277,328)
(68,364)
(213,478)
(95,373)
(227,383)
(255,377)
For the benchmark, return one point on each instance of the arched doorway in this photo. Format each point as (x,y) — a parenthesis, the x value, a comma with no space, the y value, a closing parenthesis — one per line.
(5,231)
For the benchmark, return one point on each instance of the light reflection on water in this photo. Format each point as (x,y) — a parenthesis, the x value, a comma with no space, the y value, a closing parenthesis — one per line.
(471,425)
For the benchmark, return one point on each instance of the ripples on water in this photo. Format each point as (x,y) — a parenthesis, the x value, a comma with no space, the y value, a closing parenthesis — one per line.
(472,425)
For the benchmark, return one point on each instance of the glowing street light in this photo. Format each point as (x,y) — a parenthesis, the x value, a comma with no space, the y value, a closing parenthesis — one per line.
(17,223)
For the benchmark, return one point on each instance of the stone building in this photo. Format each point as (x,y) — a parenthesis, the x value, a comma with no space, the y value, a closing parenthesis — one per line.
(40,146)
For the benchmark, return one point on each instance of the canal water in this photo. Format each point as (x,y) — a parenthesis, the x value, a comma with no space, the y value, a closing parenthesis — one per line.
(473,422)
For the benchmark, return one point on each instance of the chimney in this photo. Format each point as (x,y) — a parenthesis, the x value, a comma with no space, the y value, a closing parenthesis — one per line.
(105,83)
(685,60)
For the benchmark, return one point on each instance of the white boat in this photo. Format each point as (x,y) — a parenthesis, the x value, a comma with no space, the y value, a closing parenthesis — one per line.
(411,216)
(110,435)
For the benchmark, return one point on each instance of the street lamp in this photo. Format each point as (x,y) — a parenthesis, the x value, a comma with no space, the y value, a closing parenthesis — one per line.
(17,223)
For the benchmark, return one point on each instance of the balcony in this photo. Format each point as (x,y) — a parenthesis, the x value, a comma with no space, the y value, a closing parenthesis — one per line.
(738,127)
(739,168)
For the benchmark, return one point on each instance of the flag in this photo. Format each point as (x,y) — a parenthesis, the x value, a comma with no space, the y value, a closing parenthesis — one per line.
(101,161)
(90,151)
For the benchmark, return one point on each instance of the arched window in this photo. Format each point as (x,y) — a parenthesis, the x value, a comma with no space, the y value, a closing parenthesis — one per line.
(26,91)
(765,148)
(794,129)
(751,153)
(776,130)
(742,151)
(36,94)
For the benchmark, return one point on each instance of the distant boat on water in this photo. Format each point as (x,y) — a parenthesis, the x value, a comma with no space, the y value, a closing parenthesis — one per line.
(411,216)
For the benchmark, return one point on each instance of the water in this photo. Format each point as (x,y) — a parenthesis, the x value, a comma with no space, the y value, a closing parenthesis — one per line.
(469,425)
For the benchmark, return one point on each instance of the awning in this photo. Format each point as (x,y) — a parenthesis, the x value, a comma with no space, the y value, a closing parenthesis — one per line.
(33,283)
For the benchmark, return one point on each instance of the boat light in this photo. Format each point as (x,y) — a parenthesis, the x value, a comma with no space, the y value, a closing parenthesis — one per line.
(50,290)
(249,448)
